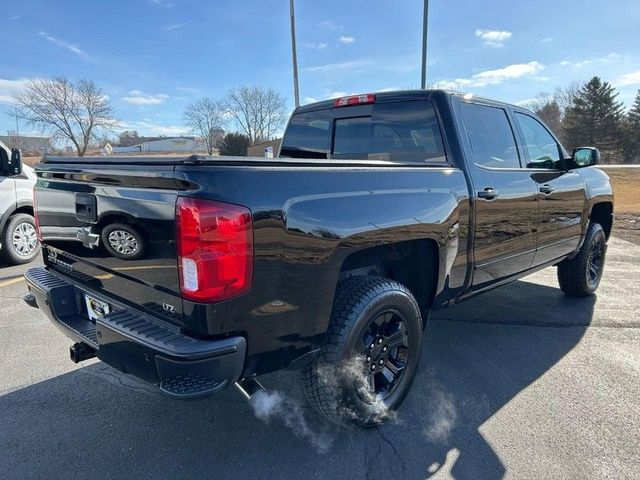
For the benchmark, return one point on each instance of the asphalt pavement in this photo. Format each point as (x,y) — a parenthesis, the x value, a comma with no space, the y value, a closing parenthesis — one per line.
(521,382)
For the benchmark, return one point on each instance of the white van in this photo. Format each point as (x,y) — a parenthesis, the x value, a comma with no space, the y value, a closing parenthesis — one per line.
(18,239)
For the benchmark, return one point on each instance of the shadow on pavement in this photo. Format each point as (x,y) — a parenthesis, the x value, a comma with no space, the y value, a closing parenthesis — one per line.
(477,356)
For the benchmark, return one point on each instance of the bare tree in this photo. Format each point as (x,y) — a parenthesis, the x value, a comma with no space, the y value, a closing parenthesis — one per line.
(74,111)
(547,107)
(565,96)
(205,118)
(259,111)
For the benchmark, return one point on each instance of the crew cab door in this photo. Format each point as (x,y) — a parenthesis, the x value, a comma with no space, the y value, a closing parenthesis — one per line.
(561,193)
(505,203)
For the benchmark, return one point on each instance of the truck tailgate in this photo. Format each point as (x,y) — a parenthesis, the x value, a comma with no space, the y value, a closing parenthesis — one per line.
(76,201)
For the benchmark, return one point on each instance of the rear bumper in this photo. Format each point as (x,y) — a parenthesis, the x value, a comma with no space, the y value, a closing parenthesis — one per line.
(137,343)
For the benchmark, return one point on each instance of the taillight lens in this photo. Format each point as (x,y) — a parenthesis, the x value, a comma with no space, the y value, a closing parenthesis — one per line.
(35,215)
(215,249)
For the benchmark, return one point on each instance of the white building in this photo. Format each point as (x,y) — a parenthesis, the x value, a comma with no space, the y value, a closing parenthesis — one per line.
(34,145)
(168,145)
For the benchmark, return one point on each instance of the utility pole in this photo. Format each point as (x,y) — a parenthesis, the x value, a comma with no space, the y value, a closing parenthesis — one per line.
(17,125)
(294,53)
(425,26)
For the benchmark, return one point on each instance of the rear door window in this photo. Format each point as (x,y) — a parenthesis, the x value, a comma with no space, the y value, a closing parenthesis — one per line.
(406,132)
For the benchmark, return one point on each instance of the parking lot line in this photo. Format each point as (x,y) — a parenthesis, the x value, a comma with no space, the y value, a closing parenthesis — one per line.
(11,281)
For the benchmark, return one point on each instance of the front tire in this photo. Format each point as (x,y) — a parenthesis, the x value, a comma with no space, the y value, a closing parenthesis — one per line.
(19,240)
(370,356)
(580,276)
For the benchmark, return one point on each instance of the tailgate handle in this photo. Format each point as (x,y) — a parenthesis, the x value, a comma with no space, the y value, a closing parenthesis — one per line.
(86,210)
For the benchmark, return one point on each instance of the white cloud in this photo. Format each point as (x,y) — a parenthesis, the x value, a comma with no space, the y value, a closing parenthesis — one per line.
(346,39)
(337,94)
(149,128)
(526,101)
(136,97)
(388,89)
(495,77)
(310,99)
(547,40)
(609,58)
(188,89)
(632,78)
(329,24)
(493,38)
(314,45)
(175,26)
(340,66)
(162,3)
(15,17)
(397,64)
(8,87)
(67,46)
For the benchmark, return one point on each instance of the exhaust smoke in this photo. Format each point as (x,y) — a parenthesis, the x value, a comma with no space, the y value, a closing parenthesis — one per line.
(276,405)
(441,414)
(352,374)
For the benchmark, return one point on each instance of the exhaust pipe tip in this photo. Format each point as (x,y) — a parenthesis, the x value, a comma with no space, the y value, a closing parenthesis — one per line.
(248,387)
(79,352)
(30,300)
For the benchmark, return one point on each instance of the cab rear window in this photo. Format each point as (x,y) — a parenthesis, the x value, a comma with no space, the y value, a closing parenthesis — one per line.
(406,132)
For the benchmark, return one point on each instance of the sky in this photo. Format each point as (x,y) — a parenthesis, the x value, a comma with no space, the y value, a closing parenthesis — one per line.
(154,57)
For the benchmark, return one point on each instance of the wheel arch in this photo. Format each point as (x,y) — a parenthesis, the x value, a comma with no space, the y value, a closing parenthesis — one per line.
(19,207)
(413,263)
(602,213)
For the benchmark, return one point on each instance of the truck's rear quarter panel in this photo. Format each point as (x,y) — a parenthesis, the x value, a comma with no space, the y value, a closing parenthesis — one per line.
(307,220)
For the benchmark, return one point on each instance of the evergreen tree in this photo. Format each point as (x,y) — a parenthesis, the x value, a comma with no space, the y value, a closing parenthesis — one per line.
(632,133)
(235,144)
(595,119)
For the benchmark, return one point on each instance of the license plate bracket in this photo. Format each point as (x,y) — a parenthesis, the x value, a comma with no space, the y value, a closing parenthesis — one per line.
(96,308)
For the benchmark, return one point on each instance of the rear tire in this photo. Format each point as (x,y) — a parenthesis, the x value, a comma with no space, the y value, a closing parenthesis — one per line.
(123,241)
(19,240)
(370,356)
(580,276)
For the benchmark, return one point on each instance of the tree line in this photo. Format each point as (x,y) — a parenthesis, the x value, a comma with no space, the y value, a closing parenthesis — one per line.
(590,114)
(81,114)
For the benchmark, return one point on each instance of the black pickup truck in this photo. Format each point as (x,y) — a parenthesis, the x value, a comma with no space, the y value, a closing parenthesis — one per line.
(202,272)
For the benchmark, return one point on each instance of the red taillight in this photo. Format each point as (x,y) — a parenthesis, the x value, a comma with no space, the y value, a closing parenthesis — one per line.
(35,215)
(355,100)
(215,249)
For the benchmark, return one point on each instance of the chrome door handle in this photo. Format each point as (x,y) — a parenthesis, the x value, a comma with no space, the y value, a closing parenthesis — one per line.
(488,193)
(547,189)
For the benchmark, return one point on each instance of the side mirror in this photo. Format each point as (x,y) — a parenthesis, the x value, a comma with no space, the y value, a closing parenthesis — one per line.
(15,165)
(4,162)
(585,157)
